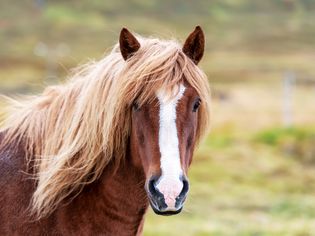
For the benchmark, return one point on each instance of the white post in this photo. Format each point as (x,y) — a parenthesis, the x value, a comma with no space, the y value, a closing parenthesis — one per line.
(288,86)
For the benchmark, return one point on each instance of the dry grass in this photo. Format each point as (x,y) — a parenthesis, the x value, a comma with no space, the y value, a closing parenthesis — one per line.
(253,106)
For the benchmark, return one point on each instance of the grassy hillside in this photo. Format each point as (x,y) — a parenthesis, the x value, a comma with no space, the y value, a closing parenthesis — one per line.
(245,39)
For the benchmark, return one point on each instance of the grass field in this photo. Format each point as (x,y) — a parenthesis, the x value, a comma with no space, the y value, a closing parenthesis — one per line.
(252,175)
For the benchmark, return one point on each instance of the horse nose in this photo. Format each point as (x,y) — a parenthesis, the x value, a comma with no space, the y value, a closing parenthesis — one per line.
(183,194)
(168,195)
(156,197)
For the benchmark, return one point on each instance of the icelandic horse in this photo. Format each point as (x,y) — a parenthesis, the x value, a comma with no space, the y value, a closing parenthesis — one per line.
(87,157)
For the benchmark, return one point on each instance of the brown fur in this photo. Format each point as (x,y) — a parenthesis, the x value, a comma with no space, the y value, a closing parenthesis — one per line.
(187,123)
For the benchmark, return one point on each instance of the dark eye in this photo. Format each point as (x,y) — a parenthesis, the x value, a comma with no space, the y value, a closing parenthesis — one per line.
(196,105)
(135,106)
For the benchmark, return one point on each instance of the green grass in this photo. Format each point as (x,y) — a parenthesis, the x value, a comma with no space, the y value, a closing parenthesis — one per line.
(279,135)
(294,141)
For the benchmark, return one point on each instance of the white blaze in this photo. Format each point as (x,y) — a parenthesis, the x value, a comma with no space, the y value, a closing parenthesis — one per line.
(169,184)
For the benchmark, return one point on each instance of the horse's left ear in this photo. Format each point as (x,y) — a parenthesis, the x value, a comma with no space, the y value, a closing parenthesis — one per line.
(128,43)
(194,45)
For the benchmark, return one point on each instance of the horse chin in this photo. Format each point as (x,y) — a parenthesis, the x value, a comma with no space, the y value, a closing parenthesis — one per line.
(167,213)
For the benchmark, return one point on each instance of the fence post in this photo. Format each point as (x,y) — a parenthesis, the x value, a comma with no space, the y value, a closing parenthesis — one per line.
(288,87)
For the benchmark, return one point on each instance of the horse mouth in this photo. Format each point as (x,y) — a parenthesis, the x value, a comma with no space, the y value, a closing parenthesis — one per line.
(164,212)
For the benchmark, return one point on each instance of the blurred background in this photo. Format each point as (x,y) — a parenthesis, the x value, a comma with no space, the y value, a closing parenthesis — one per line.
(255,173)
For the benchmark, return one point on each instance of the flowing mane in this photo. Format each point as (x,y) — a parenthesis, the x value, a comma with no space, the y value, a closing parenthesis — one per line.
(72,131)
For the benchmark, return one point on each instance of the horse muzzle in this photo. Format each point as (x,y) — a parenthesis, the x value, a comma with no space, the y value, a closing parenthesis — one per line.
(167,199)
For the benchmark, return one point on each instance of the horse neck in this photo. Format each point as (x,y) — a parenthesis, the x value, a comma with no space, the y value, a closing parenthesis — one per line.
(118,198)
(127,181)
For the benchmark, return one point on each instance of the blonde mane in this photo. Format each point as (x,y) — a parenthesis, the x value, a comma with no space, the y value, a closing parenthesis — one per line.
(72,131)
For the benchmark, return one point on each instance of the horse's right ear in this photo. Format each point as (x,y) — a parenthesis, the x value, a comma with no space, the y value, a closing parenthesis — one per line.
(128,43)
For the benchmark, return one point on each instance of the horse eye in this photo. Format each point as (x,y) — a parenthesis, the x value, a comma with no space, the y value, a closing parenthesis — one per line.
(196,105)
(135,106)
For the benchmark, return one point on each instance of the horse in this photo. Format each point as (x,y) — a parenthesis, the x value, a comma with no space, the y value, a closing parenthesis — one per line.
(88,156)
